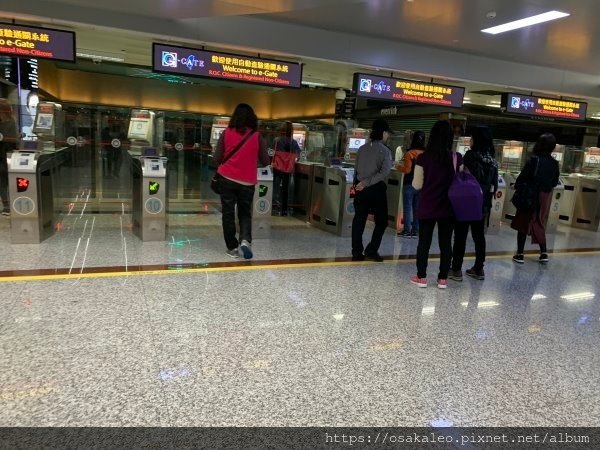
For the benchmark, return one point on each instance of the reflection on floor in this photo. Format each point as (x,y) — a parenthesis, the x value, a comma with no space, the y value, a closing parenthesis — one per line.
(337,345)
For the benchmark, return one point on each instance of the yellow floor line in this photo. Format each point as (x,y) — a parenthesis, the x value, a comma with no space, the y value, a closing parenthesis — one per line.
(51,277)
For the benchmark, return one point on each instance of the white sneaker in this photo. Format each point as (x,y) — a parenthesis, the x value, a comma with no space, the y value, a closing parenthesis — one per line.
(246,249)
(235,253)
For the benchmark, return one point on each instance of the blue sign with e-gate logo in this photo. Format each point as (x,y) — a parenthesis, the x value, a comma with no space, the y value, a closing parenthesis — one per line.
(172,60)
(225,66)
(557,108)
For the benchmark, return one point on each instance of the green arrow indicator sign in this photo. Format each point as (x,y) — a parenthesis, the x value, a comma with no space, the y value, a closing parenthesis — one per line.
(153,187)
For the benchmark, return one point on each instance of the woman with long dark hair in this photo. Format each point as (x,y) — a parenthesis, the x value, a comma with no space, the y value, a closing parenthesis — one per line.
(541,171)
(284,143)
(480,162)
(434,173)
(241,146)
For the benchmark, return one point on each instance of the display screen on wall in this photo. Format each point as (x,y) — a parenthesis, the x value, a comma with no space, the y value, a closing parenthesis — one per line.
(225,66)
(387,88)
(35,42)
(531,105)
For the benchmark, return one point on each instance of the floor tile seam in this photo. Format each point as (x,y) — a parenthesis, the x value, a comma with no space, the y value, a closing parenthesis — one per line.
(254,267)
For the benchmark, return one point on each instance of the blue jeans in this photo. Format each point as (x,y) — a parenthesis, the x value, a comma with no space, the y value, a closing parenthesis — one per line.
(410,202)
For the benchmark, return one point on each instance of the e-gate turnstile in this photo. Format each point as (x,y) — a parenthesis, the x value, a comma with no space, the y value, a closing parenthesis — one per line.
(333,209)
(149,200)
(303,185)
(555,205)
(498,206)
(394,199)
(509,210)
(262,204)
(31,192)
(586,214)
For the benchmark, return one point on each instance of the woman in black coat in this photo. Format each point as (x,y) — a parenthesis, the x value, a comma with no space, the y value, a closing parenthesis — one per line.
(540,172)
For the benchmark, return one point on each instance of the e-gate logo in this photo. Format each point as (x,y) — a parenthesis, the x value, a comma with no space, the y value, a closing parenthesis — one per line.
(381,87)
(171,59)
(517,103)
(365,85)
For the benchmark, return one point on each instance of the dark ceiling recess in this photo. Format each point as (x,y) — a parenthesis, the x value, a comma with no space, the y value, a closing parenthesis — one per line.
(487,92)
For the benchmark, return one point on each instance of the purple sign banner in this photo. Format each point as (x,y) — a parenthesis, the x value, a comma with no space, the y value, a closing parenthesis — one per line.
(34,42)
(225,66)
(545,107)
(395,89)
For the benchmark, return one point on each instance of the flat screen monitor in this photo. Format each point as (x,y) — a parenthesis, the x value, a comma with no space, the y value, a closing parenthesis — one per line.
(356,143)
(591,159)
(299,138)
(44,121)
(216,133)
(139,129)
(512,152)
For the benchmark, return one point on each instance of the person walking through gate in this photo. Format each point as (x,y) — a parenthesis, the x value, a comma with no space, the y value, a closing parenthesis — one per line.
(372,166)
(284,143)
(239,176)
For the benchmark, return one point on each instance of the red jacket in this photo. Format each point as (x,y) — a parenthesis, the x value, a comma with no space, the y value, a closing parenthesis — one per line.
(241,166)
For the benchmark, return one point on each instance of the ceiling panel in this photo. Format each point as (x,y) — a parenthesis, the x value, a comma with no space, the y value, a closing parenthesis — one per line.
(571,44)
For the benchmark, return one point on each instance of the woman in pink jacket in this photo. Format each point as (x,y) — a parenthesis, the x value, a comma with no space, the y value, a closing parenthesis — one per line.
(238,174)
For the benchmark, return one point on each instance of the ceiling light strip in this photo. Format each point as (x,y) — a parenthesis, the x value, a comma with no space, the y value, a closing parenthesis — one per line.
(526,22)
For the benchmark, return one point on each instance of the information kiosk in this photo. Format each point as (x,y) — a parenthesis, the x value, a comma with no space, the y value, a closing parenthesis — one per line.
(218,126)
(356,138)
(149,209)
(49,127)
(145,131)
(32,175)
(262,204)
(510,164)
(149,173)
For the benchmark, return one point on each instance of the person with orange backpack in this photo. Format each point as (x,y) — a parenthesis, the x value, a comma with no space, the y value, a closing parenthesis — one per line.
(410,196)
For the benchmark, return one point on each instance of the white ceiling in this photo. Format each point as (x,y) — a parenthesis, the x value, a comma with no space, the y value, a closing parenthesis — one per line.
(335,38)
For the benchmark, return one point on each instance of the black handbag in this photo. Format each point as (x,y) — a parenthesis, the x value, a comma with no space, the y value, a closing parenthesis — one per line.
(526,194)
(215,182)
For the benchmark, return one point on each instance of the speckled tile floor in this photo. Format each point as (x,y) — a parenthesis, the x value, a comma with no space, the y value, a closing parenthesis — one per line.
(336,344)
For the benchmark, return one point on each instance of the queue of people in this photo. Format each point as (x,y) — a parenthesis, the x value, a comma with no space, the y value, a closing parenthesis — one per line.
(430,170)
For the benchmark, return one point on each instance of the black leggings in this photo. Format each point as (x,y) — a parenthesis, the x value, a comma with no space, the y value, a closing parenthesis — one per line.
(521,238)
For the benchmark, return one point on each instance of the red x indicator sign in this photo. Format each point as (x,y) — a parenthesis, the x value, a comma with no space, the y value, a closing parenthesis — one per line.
(22,184)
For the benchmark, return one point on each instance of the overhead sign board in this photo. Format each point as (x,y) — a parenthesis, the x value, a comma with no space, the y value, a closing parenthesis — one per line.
(395,89)
(225,66)
(532,105)
(36,42)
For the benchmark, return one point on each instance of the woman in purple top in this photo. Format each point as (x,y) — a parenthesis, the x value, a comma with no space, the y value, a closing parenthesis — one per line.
(434,172)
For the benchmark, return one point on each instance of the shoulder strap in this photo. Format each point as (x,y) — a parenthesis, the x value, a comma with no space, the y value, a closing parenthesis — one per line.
(537,164)
(237,147)
(454,160)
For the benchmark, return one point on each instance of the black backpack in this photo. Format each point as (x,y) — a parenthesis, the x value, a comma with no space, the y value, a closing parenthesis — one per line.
(484,169)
